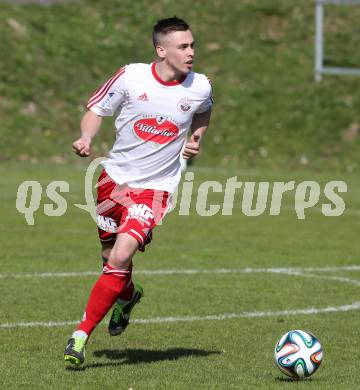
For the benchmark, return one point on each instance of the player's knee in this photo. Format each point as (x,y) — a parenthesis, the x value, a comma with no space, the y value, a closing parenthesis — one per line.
(122,252)
(120,258)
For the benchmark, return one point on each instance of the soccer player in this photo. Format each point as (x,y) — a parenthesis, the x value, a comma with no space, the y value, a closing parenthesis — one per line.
(155,105)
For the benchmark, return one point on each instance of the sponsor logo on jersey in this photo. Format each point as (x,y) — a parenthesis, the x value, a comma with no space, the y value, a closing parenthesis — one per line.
(185,104)
(107,99)
(159,129)
(141,212)
(107,224)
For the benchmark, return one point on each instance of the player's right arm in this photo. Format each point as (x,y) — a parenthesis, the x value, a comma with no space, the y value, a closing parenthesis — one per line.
(90,125)
(104,102)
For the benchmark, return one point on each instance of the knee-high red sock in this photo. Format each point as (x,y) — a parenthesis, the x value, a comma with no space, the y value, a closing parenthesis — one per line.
(103,295)
(127,293)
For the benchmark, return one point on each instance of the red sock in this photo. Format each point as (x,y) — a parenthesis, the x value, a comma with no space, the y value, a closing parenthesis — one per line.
(106,290)
(127,293)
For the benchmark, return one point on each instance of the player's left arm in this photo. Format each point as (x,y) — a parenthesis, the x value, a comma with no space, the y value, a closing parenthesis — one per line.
(199,126)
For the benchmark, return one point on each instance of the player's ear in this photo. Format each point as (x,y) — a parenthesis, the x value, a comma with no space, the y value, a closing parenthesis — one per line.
(160,51)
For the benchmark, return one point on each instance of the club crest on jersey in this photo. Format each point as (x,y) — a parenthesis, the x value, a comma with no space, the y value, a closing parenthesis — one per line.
(185,104)
(157,129)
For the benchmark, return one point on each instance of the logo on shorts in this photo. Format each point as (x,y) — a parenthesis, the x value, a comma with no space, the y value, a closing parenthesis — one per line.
(107,224)
(140,212)
(159,129)
(185,104)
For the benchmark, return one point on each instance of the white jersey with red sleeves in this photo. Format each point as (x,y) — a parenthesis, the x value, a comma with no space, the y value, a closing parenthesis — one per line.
(152,119)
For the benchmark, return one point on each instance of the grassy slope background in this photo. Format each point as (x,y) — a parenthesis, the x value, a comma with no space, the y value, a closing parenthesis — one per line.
(269,111)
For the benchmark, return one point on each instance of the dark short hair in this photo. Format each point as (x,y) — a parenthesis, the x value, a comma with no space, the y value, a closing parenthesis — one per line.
(166,26)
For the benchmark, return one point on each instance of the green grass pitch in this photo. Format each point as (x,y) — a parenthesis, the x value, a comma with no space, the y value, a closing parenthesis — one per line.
(175,351)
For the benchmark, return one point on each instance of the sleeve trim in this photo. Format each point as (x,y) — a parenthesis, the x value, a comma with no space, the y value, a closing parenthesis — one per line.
(103,90)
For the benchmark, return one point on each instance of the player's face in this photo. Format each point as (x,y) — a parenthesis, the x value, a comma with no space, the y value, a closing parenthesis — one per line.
(178,51)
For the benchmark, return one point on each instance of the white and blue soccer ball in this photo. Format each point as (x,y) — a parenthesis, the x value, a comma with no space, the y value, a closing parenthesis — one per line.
(298,354)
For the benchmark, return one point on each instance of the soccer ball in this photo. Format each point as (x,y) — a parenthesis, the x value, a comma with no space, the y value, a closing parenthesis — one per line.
(298,354)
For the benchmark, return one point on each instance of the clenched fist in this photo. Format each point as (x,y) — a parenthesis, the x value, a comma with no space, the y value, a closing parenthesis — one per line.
(82,146)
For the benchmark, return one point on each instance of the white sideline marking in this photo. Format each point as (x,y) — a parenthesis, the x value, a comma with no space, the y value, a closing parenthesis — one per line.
(336,278)
(288,271)
(219,317)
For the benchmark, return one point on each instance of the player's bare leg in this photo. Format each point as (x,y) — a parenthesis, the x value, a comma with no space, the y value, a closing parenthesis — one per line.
(105,251)
(115,282)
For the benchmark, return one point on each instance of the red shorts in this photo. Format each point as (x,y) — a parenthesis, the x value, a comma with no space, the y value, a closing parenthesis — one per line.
(122,209)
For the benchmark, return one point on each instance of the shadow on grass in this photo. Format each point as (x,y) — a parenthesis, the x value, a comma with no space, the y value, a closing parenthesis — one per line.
(135,356)
(285,379)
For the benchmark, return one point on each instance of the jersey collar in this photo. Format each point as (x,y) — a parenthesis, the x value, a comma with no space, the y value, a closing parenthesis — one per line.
(168,83)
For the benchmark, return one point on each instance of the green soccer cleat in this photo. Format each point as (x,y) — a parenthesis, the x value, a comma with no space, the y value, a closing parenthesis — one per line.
(75,350)
(121,314)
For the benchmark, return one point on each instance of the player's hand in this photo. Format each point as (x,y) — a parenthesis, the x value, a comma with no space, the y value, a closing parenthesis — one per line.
(192,148)
(82,146)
